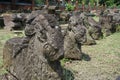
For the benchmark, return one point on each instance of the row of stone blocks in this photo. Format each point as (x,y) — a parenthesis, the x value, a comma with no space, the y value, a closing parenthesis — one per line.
(37,55)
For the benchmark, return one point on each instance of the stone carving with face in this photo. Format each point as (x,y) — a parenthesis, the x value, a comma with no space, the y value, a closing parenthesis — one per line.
(39,59)
(14,21)
(75,35)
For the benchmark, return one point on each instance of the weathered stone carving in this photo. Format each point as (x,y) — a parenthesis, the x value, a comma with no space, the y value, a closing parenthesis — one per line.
(116,21)
(74,36)
(64,16)
(109,21)
(89,30)
(94,28)
(36,56)
(14,21)
(106,25)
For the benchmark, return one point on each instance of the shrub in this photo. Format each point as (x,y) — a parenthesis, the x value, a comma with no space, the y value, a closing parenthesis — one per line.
(69,7)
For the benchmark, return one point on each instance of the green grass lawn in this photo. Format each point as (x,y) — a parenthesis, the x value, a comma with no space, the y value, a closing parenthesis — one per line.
(108,45)
(104,63)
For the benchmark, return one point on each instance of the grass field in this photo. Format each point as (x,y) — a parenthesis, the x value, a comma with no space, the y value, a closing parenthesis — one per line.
(102,62)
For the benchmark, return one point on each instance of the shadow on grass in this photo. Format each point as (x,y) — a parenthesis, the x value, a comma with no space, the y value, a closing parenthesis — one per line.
(86,57)
(68,75)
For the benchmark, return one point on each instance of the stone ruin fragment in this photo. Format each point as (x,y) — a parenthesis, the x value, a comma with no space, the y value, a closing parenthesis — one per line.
(81,30)
(106,25)
(93,28)
(36,56)
(15,21)
(109,21)
(75,34)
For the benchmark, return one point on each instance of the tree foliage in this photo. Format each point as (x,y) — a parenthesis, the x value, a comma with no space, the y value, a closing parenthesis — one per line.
(101,2)
(92,2)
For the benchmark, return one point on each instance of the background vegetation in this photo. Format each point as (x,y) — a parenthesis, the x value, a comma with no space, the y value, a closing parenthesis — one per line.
(108,3)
